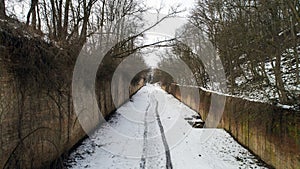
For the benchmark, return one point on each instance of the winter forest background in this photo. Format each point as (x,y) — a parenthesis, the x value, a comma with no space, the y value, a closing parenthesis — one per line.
(257,40)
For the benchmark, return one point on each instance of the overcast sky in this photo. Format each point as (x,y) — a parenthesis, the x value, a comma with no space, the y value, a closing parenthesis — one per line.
(166,29)
(185,4)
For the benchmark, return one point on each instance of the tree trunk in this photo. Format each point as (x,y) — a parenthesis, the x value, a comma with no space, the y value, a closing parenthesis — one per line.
(53,10)
(2,9)
(296,53)
(39,25)
(279,82)
(32,13)
(59,19)
(66,20)
(231,72)
(86,14)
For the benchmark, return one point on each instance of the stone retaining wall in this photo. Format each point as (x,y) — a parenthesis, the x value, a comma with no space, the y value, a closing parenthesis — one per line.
(271,132)
(38,126)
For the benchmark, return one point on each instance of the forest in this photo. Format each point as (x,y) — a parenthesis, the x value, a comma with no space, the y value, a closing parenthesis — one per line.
(257,41)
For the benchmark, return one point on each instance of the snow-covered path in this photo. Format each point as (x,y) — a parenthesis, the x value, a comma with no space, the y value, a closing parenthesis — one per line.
(154,130)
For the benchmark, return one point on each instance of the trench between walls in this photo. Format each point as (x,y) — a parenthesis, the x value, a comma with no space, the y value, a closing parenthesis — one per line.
(270,132)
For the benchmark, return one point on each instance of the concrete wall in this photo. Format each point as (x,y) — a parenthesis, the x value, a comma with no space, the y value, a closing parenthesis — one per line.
(37,126)
(270,132)
(37,120)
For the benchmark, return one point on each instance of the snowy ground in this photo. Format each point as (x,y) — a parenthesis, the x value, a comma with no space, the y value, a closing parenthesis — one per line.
(265,90)
(154,130)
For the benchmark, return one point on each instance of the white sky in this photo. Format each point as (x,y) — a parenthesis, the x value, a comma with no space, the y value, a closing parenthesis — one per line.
(184,4)
(167,28)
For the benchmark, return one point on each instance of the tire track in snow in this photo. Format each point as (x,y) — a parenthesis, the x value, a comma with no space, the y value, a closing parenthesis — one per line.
(163,136)
(143,159)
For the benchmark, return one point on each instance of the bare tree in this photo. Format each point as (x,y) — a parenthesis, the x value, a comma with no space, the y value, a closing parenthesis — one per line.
(250,33)
(32,13)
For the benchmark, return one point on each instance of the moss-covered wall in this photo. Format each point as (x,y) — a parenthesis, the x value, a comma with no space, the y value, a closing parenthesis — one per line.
(38,124)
